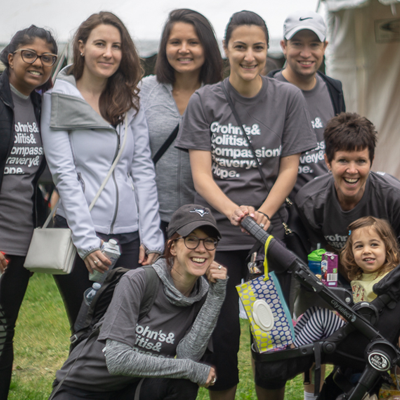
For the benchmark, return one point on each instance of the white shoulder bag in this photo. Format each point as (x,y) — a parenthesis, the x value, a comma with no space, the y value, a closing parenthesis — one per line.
(51,250)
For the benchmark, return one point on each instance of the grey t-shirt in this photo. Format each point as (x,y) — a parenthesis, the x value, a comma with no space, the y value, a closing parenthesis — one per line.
(325,220)
(320,108)
(16,197)
(173,175)
(157,334)
(278,124)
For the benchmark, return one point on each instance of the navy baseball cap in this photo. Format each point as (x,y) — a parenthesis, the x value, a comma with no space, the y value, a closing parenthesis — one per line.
(190,217)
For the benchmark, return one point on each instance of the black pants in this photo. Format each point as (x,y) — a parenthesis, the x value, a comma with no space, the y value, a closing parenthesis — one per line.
(13,284)
(151,389)
(163,227)
(226,335)
(73,285)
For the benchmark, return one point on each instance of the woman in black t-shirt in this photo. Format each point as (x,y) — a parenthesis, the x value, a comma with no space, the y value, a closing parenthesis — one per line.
(331,202)
(29,59)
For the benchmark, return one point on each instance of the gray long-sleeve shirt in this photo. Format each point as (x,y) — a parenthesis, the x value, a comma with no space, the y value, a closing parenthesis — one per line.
(168,342)
(123,360)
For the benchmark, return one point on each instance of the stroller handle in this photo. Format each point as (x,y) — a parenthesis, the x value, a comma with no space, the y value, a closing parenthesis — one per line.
(283,258)
(254,229)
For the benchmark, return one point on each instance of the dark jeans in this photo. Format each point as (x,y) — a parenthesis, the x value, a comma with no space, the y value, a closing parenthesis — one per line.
(13,284)
(73,285)
(151,389)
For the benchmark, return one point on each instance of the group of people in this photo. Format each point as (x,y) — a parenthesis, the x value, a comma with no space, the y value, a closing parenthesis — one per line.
(226,149)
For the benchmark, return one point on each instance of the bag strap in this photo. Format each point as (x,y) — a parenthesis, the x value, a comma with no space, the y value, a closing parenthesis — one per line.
(51,215)
(166,145)
(238,120)
(151,290)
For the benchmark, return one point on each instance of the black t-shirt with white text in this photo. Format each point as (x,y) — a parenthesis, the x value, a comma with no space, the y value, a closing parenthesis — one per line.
(327,223)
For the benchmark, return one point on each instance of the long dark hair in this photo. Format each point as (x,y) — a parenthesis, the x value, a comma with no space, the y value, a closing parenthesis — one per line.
(211,71)
(385,232)
(121,91)
(245,18)
(24,37)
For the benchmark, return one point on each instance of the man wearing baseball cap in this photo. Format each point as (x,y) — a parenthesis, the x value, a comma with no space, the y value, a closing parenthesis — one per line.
(304,47)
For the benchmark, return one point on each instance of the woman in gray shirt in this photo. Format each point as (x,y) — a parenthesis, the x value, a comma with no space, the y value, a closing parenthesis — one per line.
(29,60)
(188,57)
(225,171)
(167,344)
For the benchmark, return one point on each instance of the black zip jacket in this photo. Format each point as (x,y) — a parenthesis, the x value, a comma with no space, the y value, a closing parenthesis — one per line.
(7,140)
(334,88)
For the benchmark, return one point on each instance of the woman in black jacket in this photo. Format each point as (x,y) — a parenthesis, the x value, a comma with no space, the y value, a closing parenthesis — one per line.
(29,59)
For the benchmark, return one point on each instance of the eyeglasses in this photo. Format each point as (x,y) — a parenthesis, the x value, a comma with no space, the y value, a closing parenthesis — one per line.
(30,56)
(192,242)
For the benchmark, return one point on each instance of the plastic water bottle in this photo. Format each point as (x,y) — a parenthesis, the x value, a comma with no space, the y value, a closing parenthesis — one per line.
(314,260)
(91,292)
(111,250)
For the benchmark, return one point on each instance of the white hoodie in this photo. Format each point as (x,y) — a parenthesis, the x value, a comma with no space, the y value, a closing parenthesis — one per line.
(80,147)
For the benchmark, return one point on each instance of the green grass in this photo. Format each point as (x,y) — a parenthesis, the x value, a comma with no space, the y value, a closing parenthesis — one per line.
(41,346)
(41,340)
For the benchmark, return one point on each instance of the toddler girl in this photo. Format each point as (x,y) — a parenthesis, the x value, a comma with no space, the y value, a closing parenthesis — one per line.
(370,252)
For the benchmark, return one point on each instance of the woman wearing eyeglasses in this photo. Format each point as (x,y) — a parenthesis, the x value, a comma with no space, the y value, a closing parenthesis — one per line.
(28,59)
(156,356)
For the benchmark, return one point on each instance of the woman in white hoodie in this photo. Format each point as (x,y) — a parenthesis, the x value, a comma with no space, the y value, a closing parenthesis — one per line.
(83,127)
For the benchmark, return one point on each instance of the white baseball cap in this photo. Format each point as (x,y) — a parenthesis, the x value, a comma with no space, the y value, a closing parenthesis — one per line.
(301,20)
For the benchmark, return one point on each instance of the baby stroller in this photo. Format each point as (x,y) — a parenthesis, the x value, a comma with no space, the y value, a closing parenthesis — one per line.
(365,345)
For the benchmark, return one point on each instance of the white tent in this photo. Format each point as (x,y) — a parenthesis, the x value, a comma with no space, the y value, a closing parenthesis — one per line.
(364,53)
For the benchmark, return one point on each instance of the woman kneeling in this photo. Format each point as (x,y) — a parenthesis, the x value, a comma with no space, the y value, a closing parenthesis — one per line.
(179,324)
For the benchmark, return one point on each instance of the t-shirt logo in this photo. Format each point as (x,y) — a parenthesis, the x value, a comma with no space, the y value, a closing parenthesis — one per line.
(216,127)
(317,123)
(336,241)
(201,211)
